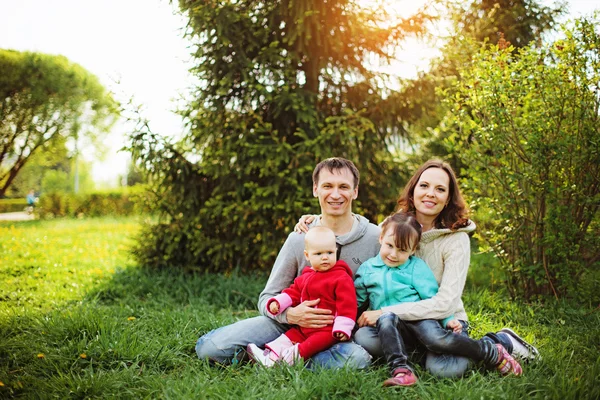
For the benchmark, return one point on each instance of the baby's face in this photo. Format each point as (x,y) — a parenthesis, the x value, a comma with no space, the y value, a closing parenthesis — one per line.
(321,254)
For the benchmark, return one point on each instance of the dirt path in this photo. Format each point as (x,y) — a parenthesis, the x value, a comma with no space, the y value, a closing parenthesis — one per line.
(16,216)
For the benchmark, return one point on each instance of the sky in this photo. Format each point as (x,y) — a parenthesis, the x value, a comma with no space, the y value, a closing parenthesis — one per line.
(137,49)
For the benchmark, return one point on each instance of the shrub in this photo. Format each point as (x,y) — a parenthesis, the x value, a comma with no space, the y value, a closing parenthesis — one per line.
(122,201)
(12,205)
(526,126)
(234,210)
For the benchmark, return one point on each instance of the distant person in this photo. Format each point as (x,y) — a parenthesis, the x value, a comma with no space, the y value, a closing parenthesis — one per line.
(396,276)
(31,200)
(326,279)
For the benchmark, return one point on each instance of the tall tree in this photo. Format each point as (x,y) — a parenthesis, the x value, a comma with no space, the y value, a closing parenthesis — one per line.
(474,24)
(283,84)
(41,98)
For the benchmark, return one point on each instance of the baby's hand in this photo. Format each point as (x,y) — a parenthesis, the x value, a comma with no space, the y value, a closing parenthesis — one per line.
(341,336)
(274,307)
(454,325)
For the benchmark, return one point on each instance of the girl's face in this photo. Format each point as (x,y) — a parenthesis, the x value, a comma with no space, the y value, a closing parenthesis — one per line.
(390,254)
(431,194)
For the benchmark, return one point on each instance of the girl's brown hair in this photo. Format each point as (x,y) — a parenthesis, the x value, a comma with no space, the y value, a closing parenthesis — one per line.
(407,230)
(455,215)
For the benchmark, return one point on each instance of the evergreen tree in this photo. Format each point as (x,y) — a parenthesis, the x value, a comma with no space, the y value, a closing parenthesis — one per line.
(283,85)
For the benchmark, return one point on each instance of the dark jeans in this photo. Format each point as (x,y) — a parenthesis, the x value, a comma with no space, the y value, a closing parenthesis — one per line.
(398,337)
(437,339)
(392,331)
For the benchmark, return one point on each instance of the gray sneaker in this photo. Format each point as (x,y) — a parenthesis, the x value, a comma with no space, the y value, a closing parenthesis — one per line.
(521,349)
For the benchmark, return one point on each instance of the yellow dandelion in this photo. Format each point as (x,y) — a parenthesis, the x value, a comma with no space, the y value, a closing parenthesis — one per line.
(1,383)
(131,319)
(83,355)
(41,355)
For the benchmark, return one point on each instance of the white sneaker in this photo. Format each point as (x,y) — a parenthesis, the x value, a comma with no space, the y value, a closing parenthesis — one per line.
(259,355)
(521,349)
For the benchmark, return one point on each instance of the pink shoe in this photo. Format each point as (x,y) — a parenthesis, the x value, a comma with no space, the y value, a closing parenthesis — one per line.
(291,355)
(506,363)
(408,379)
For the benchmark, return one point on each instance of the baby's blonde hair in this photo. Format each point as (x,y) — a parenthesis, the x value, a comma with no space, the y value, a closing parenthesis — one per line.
(315,232)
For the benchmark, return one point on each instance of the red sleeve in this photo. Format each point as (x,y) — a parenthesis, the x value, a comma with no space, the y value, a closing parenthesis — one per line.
(345,297)
(295,289)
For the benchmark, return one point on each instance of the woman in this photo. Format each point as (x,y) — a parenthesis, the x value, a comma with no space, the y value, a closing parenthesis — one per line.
(433,195)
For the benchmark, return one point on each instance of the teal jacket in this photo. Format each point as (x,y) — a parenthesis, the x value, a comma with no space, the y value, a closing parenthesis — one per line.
(383,286)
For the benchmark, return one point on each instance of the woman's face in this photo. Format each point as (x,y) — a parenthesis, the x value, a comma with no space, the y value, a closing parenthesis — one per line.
(432,192)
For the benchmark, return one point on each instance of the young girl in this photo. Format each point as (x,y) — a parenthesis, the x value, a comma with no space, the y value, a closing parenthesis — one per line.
(326,279)
(397,276)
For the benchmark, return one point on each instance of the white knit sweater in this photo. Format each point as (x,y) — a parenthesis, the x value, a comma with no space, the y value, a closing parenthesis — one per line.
(448,255)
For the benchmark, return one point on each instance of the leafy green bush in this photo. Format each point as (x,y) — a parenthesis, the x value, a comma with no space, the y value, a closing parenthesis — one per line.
(526,126)
(122,201)
(235,209)
(12,205)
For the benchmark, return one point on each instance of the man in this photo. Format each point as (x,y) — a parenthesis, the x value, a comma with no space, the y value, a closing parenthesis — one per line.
(335,184)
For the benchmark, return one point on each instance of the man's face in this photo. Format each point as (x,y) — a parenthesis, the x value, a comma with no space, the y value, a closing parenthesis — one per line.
(335,191)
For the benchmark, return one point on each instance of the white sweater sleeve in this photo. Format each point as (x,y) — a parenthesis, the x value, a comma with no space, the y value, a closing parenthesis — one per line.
(456,255)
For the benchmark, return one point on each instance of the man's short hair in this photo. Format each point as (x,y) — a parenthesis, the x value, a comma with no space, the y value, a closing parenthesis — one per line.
(336,164)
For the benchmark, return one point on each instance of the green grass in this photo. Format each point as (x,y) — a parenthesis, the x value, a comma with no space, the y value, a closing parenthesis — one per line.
(79,319)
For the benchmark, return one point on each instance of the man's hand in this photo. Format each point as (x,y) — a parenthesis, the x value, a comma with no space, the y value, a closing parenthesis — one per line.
(369,318)
(306,316)
(341,336)
(454,325)
(302,225)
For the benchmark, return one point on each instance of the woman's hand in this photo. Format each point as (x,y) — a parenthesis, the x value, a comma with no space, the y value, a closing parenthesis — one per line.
(306,316)
(341,336)
(369,318)
(302,225)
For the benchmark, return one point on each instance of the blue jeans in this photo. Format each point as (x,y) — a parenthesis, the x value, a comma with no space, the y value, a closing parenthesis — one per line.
(447,355)
(228,344)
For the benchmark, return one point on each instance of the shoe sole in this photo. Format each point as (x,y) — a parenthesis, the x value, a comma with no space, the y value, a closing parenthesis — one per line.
(535,353)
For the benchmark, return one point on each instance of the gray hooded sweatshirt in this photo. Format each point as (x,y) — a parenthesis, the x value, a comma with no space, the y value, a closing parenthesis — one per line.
(357,246)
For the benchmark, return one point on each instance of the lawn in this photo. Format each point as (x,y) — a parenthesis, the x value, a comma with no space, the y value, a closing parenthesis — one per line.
(79,319)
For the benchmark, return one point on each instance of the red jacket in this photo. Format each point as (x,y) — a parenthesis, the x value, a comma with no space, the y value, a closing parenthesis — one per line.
(334,287)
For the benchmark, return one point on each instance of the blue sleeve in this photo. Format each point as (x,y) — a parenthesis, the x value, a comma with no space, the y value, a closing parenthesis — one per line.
(446,320)
(423,280)
(425,284)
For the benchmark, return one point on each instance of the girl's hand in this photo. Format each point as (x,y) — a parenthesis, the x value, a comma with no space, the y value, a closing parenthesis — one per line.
(341,336)
(455,325)
(369,318)
(302,225)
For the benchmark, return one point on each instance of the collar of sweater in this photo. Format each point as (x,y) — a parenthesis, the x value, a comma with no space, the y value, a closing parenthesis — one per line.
(433,234)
